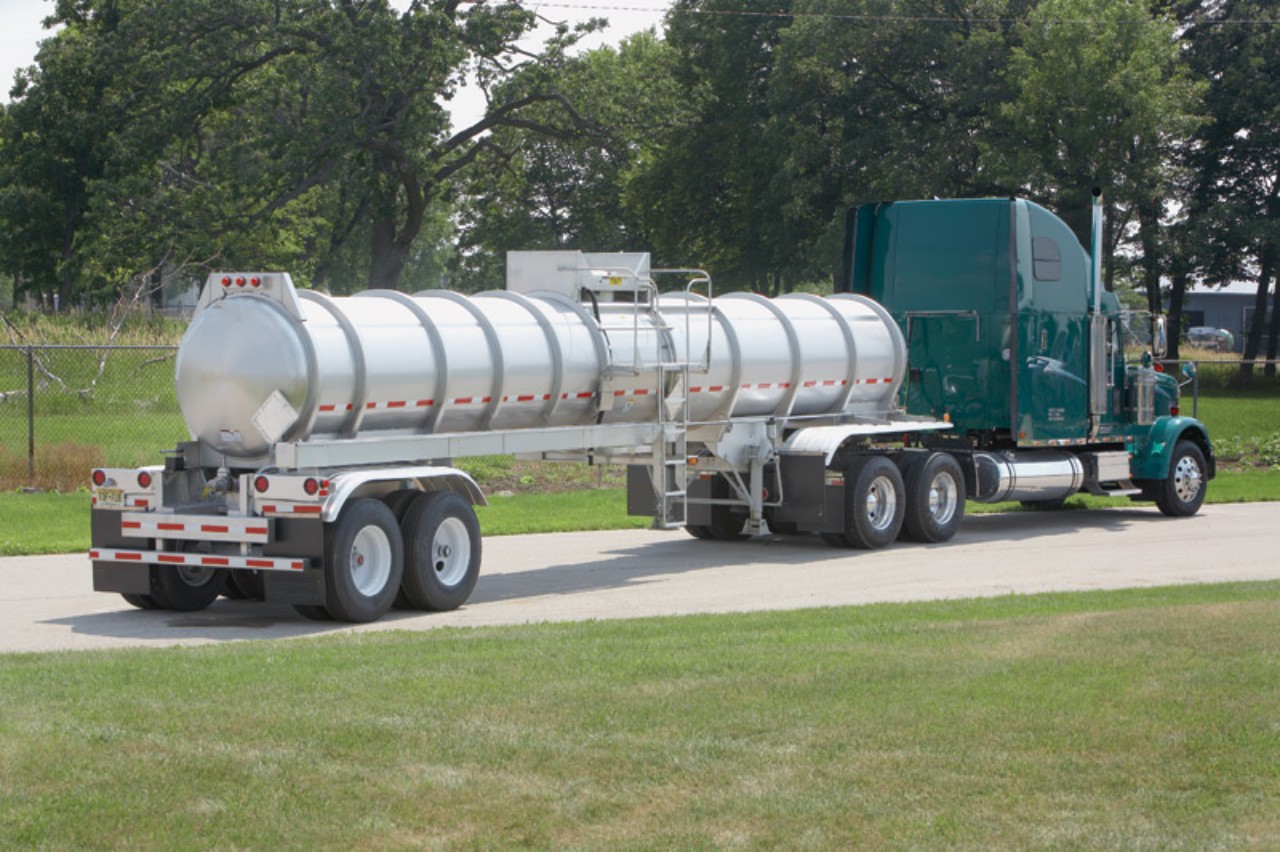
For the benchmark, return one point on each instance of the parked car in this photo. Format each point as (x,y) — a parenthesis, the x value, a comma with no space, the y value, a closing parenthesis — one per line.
(1208,337)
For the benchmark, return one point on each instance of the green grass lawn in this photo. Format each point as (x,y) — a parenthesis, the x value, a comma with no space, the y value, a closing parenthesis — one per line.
(1130,719)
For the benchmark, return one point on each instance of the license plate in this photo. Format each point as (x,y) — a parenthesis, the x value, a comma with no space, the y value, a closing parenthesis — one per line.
(110,496)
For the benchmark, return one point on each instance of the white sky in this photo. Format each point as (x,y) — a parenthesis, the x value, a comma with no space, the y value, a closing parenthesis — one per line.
(21,33)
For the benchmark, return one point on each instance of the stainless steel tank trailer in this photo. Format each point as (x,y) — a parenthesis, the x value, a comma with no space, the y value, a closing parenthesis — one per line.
(972,355)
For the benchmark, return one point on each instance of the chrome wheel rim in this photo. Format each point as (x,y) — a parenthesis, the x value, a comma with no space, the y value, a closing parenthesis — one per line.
(1187,479)
(944,497)
(451,551)
(882,503)
(370,561)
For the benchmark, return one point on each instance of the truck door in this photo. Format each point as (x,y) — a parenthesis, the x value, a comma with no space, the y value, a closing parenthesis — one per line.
(1053,341)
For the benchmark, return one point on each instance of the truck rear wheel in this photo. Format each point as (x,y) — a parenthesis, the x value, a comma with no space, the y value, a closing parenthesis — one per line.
(364,561)
(442,551)
(140,601)
(873,502)
(935,498)
(1181,493)
(726,521)
(186,588)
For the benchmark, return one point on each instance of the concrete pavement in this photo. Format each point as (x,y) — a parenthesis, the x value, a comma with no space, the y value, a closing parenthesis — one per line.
(46,602)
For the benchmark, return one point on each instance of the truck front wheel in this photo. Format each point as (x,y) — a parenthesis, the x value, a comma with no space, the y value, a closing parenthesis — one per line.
(1181,493)
(364,561)
(442,551)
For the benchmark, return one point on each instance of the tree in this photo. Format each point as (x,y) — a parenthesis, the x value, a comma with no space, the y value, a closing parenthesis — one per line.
(1101,98)
(712,189)
(1235,45)
(259,131)
(571,191)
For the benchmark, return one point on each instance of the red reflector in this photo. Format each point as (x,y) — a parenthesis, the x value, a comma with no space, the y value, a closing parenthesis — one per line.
(311,486)
(144,480)
(99,477)
(259,563)
(171,527)
(240,281)
(255,530)
(214,560)
(226,281)
(172,560)
(1159,368)
(214,528)
(260,484)
(1173,411)
(255,282)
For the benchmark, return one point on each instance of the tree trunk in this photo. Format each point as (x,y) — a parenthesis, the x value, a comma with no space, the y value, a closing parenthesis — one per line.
(1273,332)
(388,256)
(1253,343)
(1149,235)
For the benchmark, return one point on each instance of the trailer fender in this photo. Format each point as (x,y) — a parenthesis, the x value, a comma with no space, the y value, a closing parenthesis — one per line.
(379,482)
(1151,451)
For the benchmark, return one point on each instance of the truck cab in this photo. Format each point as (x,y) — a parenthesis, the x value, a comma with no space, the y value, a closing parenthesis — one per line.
(1012,338)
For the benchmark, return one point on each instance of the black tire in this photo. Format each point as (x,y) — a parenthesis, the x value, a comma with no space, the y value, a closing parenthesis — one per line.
(186,589)
(935,496)
(1181,493)
(140,601)
(442,551)
(244,585)
(873,502)
(313,612)
(398,502)
(699,531)
(726,521)
(364,562)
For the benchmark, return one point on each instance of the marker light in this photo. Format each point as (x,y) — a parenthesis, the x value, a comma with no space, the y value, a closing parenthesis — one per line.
(99,478)
(144,480)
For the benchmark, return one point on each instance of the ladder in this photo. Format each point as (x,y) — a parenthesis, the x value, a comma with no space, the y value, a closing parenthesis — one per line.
(670,468)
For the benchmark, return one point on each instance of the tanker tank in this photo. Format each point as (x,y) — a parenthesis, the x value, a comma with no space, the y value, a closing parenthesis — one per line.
(263,362)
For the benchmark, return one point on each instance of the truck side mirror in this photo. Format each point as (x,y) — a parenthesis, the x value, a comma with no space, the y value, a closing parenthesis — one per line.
(1159,336)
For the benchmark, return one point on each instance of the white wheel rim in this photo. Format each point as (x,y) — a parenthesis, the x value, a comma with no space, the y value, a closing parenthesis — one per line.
(943,498)
(882,503)
(1186,479)
(451,552)
(370,561)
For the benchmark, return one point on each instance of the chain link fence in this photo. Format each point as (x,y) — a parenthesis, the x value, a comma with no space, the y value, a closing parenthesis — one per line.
(67,409)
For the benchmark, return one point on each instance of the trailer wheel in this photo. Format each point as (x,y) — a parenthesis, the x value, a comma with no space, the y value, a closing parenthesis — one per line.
(364,561)
(442,551)
(186,588)
(873,502)
(1181,493)
(398,502)
(244,585)
(699,531)
(140,601)
(935,498)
